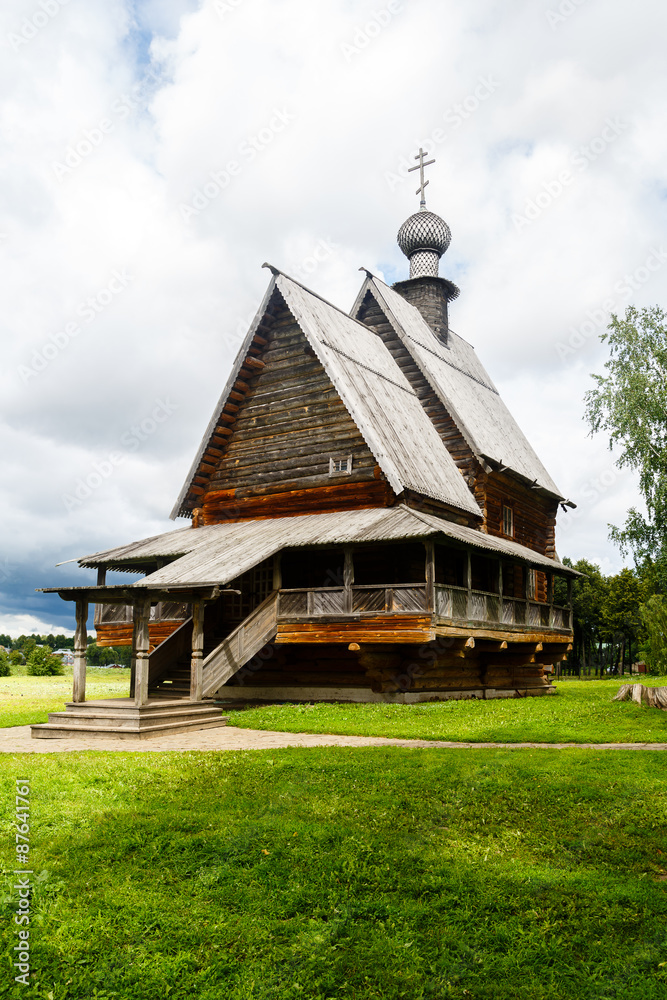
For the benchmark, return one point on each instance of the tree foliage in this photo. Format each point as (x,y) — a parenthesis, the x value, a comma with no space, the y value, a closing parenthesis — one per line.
(629,403)
(42,662)
(654,620)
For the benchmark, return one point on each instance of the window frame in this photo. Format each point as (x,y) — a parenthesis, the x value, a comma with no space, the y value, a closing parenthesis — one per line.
(507,509)
(347,471)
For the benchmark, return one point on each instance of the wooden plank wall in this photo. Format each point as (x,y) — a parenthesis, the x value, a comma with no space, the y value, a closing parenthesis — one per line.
(289,421)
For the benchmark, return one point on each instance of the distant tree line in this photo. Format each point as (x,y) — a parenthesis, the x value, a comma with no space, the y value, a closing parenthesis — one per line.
(619,619)
(35,654)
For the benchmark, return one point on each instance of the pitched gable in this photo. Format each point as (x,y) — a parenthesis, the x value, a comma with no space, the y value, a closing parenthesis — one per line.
(334,391)
(464,387)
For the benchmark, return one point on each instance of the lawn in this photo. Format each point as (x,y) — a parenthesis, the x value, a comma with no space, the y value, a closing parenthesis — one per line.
(580,712)
(339,874)
(25,699)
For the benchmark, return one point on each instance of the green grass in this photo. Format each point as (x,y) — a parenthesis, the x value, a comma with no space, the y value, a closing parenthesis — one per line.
(25,700)
(580,712)
(372,874)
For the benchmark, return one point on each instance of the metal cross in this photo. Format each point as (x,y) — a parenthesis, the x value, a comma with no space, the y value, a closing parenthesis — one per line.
(420,167)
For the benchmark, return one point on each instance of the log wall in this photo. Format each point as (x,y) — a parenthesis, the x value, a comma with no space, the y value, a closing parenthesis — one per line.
(286,424)
(388,668)
(121,635)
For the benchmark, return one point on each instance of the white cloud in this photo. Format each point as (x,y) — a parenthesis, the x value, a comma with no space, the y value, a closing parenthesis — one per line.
(16,625)
(167,94)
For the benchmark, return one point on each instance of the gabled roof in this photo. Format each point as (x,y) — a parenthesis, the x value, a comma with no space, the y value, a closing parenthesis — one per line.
(219,553)
(376,393)
(463,386)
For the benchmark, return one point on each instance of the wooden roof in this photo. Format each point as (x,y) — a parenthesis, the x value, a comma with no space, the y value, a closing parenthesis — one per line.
(376,393)
(464,387)
(218,554)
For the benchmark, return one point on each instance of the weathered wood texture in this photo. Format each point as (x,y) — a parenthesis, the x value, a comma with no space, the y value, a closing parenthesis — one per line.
(231,505)
(534,513)
(372,316)
(289,423)
(121,635)
(390,667)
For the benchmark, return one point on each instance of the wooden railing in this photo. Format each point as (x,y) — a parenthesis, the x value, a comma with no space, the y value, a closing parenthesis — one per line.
(177,646)
(449,602)
(304,603)
(240,646)
(477,605)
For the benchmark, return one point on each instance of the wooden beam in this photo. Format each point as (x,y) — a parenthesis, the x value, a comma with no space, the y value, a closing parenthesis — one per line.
(80,647)
(101,576)
(430,574)
(196,673)
(140,649)
(348,579)
(254,363)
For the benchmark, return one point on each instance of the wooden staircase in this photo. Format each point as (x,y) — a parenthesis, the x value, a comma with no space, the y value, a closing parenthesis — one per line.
(241,645)
(120,718)
(169,709)
(169,675)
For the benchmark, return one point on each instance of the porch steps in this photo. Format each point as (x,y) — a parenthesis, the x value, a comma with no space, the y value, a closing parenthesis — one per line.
(122,719)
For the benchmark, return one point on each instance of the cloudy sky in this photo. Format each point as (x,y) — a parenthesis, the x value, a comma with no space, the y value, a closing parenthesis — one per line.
(156,153)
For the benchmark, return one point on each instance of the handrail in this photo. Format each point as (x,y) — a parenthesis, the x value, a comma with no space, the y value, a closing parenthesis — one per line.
(178,644)
(240,645)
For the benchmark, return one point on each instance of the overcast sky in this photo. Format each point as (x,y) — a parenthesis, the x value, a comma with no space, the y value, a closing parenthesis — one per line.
(156,153)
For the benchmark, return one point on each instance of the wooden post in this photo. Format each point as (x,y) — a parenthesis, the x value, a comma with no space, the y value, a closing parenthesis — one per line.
(277,575)
(550,598)
(500,590)
(469,584)
(348,580)
(80,647)
(569,602)
(140,645)
(430,575)
(101,576)
(196,678)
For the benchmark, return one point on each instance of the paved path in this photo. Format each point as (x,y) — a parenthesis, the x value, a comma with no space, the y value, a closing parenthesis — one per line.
(18,740)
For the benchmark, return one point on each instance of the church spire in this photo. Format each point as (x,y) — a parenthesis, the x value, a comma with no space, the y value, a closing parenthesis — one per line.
(424,237)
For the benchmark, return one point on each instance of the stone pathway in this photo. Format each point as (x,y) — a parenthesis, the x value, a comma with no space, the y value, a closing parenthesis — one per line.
(18,740)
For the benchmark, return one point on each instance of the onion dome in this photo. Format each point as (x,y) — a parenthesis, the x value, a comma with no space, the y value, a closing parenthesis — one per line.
(423,238)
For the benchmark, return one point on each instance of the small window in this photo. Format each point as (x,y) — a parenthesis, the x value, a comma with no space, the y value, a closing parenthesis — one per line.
(340,466)
(508,522)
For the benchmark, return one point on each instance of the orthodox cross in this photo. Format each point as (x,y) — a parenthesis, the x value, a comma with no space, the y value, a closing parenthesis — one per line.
(422,183)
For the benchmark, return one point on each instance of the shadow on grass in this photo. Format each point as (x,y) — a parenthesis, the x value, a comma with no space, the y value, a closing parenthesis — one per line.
(349,873)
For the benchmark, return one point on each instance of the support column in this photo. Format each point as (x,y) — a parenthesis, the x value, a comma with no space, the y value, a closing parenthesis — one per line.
(348,580)
(469,584)
(500,591)
(569,604)
(140,646)
(196,679)
(80,647)
(430,575)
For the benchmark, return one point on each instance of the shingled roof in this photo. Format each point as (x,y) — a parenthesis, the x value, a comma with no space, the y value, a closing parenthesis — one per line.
(376,393)
(463,386)
(220,553)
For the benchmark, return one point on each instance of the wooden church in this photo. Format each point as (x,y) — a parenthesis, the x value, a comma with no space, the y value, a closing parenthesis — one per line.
(367,523)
